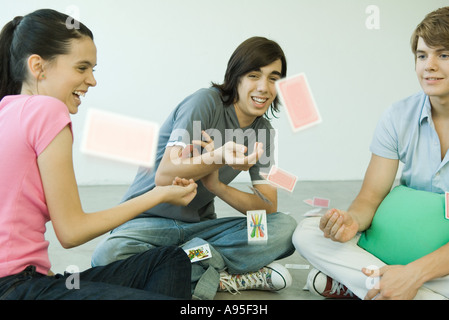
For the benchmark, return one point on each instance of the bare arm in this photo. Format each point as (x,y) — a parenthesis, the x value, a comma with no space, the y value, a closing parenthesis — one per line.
(379,178)
(72,225)
(240,200)
(199,166)
(399,282)
(243,201)
(195,168)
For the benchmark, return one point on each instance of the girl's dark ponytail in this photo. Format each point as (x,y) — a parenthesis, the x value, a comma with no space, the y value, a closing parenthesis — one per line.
(43,32)
(7,85)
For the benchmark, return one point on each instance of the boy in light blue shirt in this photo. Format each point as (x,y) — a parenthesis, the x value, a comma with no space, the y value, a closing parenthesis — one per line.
(414,131)
(407,133)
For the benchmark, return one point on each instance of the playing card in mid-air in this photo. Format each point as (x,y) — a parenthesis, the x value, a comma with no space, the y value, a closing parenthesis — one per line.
(120,138)
(282,179)
(296,96)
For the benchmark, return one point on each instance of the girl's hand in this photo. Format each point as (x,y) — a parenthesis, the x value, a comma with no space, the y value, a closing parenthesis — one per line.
(180,193)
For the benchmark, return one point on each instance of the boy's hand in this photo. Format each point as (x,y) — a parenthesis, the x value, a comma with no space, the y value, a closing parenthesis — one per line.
(339,225)
(234,155)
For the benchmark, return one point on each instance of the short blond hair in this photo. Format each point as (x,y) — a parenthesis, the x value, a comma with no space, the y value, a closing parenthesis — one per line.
(434,30)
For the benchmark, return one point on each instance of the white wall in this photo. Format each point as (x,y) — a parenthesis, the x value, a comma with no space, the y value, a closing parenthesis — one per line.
(153,53)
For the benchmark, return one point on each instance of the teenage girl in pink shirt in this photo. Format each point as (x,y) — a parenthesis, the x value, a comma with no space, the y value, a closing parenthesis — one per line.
(45,67)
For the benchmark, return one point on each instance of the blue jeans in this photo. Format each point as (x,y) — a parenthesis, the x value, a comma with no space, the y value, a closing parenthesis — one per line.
(227,238)
(159,274)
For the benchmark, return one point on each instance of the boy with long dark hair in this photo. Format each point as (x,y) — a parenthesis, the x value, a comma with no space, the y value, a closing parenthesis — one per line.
(227,122)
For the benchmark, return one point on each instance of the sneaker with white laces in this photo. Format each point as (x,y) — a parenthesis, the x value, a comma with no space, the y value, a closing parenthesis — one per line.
(323,285)
(272,277)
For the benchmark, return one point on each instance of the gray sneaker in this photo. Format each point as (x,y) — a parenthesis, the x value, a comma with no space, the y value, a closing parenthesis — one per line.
(273,277)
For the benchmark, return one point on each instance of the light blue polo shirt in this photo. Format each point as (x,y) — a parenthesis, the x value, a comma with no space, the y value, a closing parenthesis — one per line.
(406,132)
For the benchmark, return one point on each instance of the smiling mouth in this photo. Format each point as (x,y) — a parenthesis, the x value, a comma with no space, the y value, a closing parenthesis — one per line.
(259,100)
(79,93)
(432,78)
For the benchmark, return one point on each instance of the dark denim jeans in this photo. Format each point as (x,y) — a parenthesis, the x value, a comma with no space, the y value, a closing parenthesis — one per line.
(227,237)
(158,274)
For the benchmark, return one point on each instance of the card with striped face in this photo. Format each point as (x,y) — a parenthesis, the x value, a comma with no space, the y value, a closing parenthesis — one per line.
(257,226)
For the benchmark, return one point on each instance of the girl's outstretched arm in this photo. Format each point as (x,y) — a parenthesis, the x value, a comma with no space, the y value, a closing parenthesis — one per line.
(72,225)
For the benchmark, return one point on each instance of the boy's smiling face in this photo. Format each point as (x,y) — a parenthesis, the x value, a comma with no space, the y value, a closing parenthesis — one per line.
(432,69)
(256,92)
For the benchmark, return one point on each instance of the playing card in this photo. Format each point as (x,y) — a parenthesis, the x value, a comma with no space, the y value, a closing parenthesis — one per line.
(296,96)
(309,202)
(257,226)
(120,138)
(199,253)
(190,151)
(282,179)
(297,266)
(187,151)
(316,212)
(446,205)
(320,202)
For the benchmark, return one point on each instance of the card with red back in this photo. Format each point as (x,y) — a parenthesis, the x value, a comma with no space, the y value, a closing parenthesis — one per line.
(120,138)
(281,178)
(446,205)
(187,151)
(309,202)
(320,202)
(190,151)
(295,95)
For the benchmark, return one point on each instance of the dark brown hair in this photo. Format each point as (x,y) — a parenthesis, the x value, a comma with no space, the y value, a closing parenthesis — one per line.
(251,55)
(43,32)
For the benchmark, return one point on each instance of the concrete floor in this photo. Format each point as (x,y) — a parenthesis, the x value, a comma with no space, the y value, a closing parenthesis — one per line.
(340,193)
